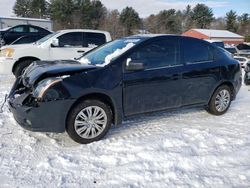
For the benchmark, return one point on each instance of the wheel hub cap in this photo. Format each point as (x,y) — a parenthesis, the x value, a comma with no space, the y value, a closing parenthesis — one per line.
(222,100)
(90,122)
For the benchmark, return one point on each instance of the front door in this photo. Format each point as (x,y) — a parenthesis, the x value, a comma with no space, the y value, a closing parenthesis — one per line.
(70,46)
(159,86)
(15,33)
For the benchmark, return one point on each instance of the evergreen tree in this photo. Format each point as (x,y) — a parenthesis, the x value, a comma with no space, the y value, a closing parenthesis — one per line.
(202,16)
(39,8)
(61,11)
(187,22)
(244,26)
(231,21)
(129,18)
(169,22)
(22,8)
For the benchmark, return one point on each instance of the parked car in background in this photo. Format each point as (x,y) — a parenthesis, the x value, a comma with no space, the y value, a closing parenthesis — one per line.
(26,40)
(65,44)
(125,77)
(231,49)
(247,74)
(242,60)
(9,35)
(243,50)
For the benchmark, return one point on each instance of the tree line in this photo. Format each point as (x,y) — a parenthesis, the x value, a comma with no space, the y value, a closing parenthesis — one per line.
(92,14)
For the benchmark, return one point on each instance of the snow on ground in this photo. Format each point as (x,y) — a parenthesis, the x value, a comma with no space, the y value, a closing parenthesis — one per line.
(185,148)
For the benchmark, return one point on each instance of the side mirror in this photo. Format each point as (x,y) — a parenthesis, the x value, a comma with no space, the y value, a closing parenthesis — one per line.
(55,43)
(133,65)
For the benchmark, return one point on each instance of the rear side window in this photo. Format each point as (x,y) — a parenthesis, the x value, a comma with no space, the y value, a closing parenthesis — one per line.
(160,53)
(73,39)
(33,30)
(94,39)
(196,51)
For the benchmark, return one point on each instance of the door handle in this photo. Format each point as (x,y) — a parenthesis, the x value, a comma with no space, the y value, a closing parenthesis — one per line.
(80,51)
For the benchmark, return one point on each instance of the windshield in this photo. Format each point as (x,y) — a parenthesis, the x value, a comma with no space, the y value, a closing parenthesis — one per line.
(105,54)
(47,37)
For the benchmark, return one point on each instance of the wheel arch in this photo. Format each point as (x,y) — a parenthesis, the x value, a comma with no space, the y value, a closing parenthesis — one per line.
(227,83)
(23,59)
(103,98)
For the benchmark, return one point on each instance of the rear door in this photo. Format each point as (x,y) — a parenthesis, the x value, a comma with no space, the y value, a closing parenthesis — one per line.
(202,72)
(159,86)
(93,40)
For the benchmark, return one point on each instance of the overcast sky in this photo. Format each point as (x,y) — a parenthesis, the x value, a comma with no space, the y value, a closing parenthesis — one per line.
(147,7)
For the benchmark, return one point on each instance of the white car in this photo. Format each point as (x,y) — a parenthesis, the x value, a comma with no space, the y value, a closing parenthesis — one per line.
(61,45)
(242,60)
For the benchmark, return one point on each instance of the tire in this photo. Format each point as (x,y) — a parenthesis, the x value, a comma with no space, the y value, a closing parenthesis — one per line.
(2,42)
(220,101)
(84,129)
(21,67)
(246,80)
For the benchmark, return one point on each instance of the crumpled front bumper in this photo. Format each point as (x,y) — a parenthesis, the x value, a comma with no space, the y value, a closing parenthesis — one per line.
(43,116)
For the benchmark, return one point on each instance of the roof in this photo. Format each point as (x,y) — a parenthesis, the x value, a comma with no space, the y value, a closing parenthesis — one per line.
(23,18)
(83,30)
(212,33)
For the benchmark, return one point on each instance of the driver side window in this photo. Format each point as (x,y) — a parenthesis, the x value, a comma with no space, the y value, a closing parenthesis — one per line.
(160,53)
(18,29)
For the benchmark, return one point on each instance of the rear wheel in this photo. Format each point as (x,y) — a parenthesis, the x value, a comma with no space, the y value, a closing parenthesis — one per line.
(220,101)
(89,121)
(21,67)
(246,80)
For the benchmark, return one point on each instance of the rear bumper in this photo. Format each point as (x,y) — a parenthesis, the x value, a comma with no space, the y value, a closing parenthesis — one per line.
(45,117)
(6,65)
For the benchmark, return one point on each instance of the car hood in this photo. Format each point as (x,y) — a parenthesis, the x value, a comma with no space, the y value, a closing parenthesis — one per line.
(22,46)
(39,70)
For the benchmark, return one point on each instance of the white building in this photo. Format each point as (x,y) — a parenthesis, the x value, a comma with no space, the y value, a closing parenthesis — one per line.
(211,34)
(13,21)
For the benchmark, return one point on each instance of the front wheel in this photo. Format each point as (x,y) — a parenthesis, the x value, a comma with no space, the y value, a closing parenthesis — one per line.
(2,42)
(220,101)
(89,121)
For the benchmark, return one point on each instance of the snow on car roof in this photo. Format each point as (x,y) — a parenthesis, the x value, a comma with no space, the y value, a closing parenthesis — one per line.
(218,33)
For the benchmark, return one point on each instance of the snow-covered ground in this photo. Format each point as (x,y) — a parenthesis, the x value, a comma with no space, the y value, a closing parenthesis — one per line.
(185,148)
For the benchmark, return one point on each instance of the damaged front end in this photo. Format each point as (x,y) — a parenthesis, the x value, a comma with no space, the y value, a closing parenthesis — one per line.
(39,99)
(42,108)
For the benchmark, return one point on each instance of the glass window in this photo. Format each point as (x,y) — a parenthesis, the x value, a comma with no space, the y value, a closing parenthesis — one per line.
(33,30)
(158,53)
(73,39)
(18,29)
(105,54)
(196,51)
(94,39)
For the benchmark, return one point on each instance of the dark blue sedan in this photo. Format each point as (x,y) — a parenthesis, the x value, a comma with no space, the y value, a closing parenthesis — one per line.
(125,77)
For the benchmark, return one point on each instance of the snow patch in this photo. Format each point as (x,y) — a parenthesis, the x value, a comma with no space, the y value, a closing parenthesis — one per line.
(84,61)
(117,53)
(183,148)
